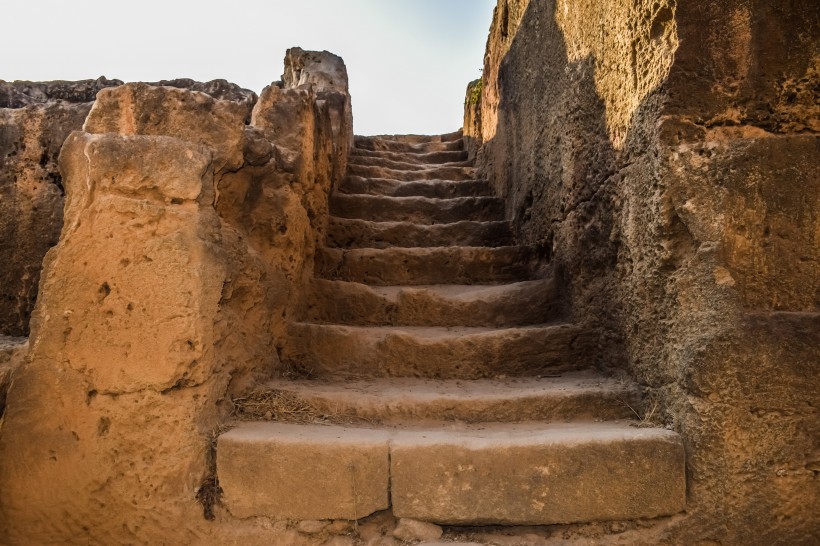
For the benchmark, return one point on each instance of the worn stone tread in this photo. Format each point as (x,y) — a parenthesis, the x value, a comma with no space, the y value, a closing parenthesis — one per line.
(435,352)
(418,210)
(298,472)
(402,165)
(433,172)
(441,189)
(418,158)
(351,233)
(570,395)
(460,474)
(514,304)
(535,474)
(423,266)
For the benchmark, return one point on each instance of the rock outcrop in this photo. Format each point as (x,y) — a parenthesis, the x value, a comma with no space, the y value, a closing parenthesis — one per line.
(187,237)
(31,200)
(35,120)
(665,153)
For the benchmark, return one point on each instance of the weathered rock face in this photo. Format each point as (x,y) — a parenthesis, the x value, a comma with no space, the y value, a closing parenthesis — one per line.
(31,201)
(35,120)
(19,94)
(187,234)
(325,71)
(665,161)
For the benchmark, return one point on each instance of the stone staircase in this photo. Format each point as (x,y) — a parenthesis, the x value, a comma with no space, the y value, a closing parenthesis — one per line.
(433,374)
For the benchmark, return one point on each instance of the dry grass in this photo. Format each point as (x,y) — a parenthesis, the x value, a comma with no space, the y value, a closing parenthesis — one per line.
(651,417)
(272,405)
(209,493)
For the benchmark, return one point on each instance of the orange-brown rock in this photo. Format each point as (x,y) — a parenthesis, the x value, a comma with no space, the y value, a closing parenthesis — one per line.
(664,151)
(159,303)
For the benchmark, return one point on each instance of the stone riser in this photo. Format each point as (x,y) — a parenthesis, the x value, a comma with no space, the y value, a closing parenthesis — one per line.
(434,173)
(395,164)
(371,144)
(418,210)
(528,474)
(441,189)
(405,157)
(397,401)
(423,266)
(350,233)
(339,302)
(445,353)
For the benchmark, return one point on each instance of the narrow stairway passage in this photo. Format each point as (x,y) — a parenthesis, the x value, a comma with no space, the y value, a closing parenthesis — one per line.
(435,373)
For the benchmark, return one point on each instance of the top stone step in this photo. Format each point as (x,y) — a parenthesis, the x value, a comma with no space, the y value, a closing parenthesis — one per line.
(407,145)
(420,139)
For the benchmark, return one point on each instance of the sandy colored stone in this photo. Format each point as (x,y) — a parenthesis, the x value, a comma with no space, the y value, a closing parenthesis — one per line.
(424,188)
(294,472)
(312,527)
(19,94)
(435,352)
(667,166)
(419,210)
(327,74)
(524,475)
(142,109)
(356,233)
(411,529)
(515,304)
(423,266)
(31,199)
(570,396)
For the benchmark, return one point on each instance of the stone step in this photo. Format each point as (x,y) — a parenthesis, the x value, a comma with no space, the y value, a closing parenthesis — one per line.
(517,304)
(423,266)
(407,157)
(509,474)
(411,143)
(570,396)
(537,474)
(418,210)
(432,173)
(442,189)
(377,161)
(416,139)
(377,144)
(353,233)
(436,352)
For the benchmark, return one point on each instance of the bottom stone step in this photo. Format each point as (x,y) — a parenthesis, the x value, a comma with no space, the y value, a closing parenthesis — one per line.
(523,474)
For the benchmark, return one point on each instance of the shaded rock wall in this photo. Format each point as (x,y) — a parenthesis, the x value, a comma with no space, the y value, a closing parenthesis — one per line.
(187,237)
(31,201)
(35,120)
(665,154)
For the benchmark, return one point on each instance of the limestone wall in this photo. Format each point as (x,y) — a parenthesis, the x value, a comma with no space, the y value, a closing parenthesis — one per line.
(665,153)
(190,224)
(35,120)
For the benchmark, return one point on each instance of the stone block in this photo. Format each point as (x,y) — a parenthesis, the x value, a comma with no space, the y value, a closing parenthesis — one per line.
(532,475)
(303,472)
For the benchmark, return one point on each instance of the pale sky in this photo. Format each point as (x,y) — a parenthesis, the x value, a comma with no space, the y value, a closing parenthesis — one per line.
(409,61)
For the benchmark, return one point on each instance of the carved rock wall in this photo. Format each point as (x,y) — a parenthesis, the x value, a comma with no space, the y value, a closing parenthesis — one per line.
(664,155)
(188,234)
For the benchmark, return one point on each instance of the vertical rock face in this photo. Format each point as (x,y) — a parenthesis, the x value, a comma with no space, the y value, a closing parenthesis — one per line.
(326,72)
(664,153)
(35,120)
(31,201)
(187,234)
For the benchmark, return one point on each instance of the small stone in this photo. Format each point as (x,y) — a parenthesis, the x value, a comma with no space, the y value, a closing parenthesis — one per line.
(312,527)
(411,529)
(339,527)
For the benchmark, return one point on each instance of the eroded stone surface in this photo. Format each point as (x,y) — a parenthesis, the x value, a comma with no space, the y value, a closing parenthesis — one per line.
(289,471)
(31,199)
(143,329)
(523,475)
(654,159)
